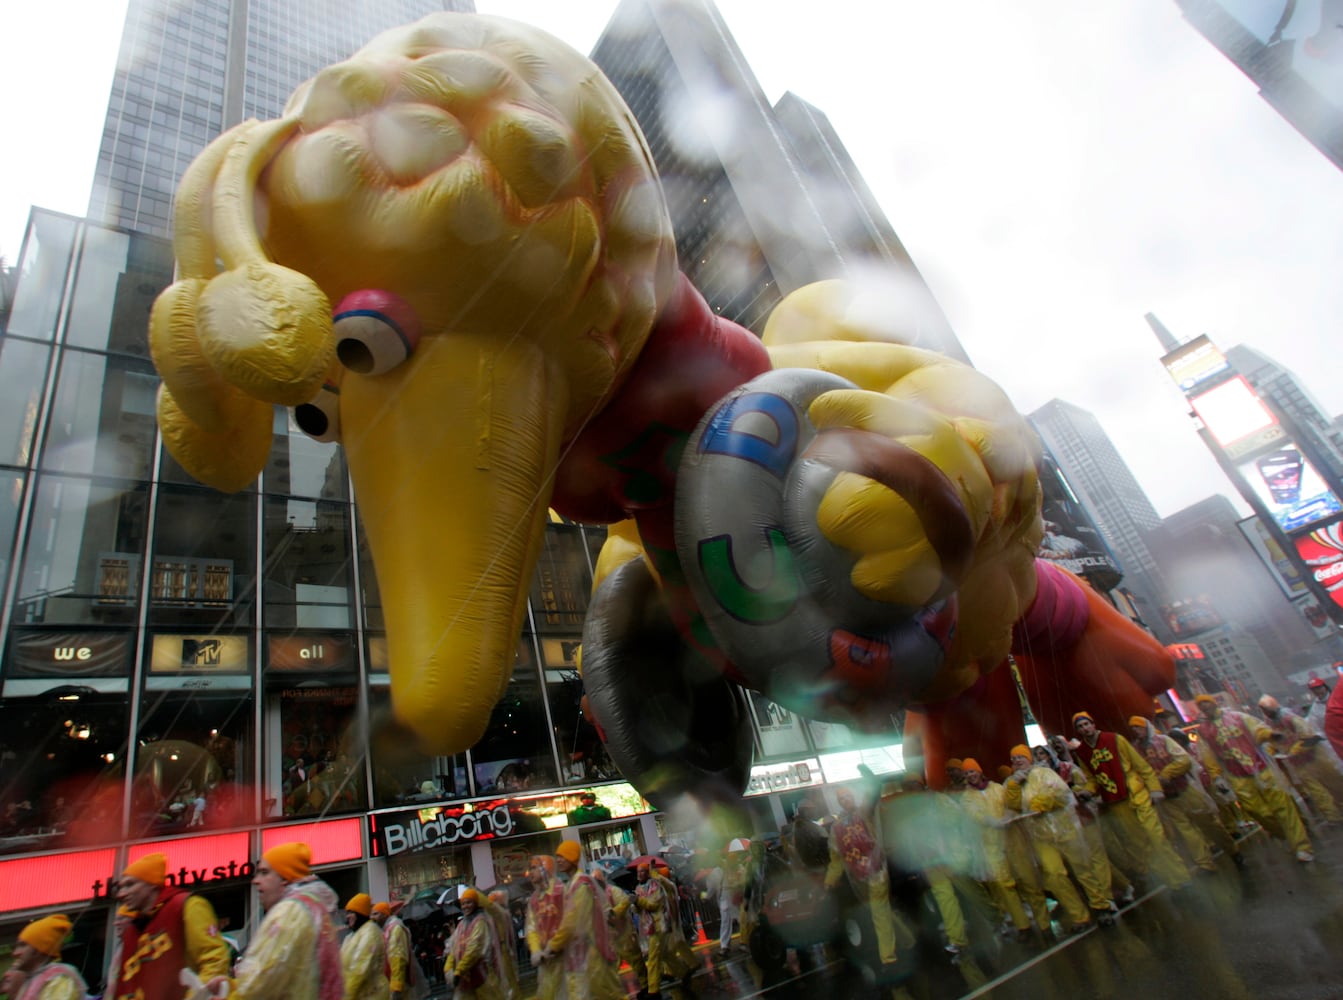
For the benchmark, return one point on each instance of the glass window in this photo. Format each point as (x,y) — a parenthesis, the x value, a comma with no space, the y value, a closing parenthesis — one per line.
(82,560)
(202,573)
(300,466)
(415,873)
(368,583)
(119,277)
(402,774)
(23,375)
(193,762)
(562,581)
(314,751)
(62,759)
(11,494)
(41,279)
(515,753)
(170,471)
(307,560)
(583,757)
(102,420)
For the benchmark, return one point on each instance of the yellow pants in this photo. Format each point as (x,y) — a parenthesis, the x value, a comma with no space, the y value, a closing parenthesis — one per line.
(1003,892)
(1134,838)
(1318,781)
(1184,831)
(1271,807)
(1055,876)
(1108,874)
(878,895)
(1030,888)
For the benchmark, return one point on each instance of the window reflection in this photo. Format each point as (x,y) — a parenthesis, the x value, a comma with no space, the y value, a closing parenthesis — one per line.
(300,466)
(515,754)
(193,762)
(46,258)
(583,757)
(82,561)
(119,277)
(560,587)
(401,774)
(368,581)
(11,492)
(23,374)
(307,564)
(61,766)
(102,420)
(203,564)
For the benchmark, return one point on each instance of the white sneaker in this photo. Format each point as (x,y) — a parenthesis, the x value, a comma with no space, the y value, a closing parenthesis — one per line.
(1305,857)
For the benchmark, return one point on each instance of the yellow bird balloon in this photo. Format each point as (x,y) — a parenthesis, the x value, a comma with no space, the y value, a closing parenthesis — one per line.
(452,255)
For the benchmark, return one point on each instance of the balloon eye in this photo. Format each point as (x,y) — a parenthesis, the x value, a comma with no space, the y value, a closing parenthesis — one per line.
(375,331)
(320,418)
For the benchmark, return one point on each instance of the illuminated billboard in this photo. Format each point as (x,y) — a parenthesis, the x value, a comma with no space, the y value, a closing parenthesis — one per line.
(1322,552)
(1236,417)
(1293,50)
(1292,492)
(1071,539)
(1195,362)
(1285,570)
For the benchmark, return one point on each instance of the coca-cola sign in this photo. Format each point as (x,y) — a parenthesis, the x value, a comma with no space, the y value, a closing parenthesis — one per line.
(1322,552)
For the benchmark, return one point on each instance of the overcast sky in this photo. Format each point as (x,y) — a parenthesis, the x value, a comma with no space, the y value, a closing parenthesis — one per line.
(1055,170)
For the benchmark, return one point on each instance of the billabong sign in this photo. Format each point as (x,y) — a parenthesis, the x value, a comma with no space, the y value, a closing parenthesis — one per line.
(444,826)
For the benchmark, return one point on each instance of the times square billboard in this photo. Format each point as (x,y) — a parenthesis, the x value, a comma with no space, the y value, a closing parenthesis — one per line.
(1293,51)
(1071,540)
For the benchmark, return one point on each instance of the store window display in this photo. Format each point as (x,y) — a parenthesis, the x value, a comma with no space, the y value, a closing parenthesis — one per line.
(314,757)
(401,773)
(62,767)
(193,763)
(516,754)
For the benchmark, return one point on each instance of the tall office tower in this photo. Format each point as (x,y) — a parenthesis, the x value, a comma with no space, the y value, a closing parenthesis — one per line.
(188,71)
(763,199)
(1225,600)
(1108,489)
(1285,391)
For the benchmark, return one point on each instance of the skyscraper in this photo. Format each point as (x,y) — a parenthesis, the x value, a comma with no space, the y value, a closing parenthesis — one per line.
(1284,390)
(188,71)
(763,199)
(1108,489)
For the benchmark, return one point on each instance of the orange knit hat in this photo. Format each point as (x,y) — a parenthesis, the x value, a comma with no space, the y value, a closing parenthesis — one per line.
(360,903)
(152,868)
(569,851)
(970,764)
(1020,750)
(1083,715)
(47,934)
(469,893)
(291,861)
(1137,720)
(384,908)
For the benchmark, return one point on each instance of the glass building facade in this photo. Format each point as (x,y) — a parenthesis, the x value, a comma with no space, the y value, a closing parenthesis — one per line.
(206,674)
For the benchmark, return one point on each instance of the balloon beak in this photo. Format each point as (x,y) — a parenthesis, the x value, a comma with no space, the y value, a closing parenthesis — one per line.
(452,456)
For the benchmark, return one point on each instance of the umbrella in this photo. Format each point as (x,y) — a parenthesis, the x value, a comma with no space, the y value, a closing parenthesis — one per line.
(426,901)
(737,845)
(647,859)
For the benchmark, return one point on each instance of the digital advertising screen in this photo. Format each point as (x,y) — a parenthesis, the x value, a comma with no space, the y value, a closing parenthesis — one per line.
(1322,552)
(1194,363)
(1295,495)
(1236,417)
(1071,539)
